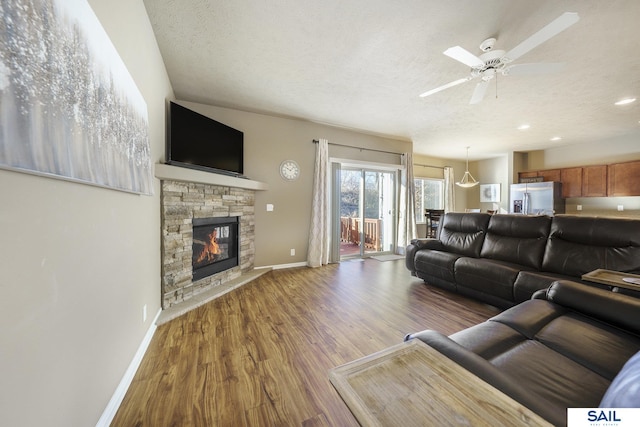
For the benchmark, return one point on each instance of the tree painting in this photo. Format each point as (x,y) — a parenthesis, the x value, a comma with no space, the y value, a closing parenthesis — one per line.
(68,106)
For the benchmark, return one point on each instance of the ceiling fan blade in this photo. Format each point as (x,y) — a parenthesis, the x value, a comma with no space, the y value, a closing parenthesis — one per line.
(479,92)
(447,86)
(532,69)
(552,29)
(462,55)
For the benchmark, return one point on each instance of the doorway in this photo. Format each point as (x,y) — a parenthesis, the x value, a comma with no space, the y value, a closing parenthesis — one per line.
(367,211)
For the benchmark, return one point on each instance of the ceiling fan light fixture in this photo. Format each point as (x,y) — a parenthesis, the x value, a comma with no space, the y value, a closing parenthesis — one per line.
(487,45)
(492,61)
(467,180)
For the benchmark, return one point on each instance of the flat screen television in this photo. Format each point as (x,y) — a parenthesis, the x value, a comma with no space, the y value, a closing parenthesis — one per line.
(199,142)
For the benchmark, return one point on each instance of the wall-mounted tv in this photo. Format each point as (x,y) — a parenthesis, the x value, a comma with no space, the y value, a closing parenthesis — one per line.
(198,142)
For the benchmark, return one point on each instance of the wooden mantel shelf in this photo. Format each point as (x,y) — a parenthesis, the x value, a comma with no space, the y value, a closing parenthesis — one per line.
(175,173)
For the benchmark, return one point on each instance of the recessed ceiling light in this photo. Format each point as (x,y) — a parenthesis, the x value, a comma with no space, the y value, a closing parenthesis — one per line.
(625,101)
(556,138)
(523,127)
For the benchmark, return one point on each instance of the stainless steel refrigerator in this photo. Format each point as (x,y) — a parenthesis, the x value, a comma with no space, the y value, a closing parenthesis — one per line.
(537,198)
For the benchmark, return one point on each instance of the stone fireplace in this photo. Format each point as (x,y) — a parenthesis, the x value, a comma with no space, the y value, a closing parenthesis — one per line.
(213,210)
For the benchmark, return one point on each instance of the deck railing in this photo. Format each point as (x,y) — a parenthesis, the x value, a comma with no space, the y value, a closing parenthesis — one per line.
(350,229)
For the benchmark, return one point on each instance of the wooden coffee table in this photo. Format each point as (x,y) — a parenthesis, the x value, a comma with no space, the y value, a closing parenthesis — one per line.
(613,278)
(412,384)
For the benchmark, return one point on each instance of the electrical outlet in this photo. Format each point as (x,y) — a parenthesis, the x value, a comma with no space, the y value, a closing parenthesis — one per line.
(578,207)
(269,207)
(620,208)
(144,313)
(293,252)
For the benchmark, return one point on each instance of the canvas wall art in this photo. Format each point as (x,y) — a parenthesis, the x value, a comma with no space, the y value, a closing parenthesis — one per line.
(489,193)
(68,106)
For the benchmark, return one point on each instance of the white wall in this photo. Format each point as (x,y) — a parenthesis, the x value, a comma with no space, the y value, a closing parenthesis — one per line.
(493,171)
(620,149)
(78,263)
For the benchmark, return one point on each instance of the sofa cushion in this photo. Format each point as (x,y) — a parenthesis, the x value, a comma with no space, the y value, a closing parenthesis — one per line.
(562,355)
(552,376)
(486,371)
(463,233)
(578,245)
(488,339)
(517,239)
(529,317)
(486,275)
(588,341)
(593,344)
(560,352)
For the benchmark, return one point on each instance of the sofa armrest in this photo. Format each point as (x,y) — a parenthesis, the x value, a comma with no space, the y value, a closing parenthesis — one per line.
(488,373)
(417,245)
(427,243)
(539,294)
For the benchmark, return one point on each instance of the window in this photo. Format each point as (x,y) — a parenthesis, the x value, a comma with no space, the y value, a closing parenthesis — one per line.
(429,195)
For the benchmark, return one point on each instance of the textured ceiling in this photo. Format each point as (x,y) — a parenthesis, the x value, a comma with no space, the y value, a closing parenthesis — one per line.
(362,64)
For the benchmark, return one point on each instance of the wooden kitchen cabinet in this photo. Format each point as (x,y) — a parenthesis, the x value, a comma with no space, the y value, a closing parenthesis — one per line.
(614,180)
(623,179)
(528,174)
(571,179)
(547,175)
(594,181)
(550,175)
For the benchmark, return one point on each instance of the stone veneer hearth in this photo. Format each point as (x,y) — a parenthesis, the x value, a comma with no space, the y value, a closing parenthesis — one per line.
(183,201)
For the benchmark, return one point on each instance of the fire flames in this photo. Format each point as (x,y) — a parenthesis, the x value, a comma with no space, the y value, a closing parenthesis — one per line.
(211,248)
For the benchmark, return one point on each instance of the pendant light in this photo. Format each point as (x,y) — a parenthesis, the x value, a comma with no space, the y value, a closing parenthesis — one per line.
(467,180)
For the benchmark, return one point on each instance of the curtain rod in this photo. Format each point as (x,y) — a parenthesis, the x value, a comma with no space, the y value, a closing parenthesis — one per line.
(315,141)
(431,166)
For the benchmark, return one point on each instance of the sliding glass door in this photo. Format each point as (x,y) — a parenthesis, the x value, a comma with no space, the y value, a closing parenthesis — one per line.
(367,209)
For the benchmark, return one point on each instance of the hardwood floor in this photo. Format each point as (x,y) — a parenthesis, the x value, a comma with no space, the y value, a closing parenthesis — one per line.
(260,355)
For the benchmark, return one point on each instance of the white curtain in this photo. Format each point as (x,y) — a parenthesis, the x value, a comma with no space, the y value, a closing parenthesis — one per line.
(320,230)
(406,215)
(449,190)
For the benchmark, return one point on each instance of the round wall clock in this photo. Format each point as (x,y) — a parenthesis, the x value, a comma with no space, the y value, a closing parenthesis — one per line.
(289,170)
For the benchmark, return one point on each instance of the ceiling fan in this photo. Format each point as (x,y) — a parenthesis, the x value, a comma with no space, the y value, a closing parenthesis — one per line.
(491,62)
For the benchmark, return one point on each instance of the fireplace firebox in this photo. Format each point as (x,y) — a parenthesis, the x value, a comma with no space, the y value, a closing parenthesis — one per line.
(215,245)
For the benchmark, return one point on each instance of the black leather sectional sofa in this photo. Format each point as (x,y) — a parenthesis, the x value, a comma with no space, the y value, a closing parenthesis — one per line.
(562,343)
(504,259)
(563,349)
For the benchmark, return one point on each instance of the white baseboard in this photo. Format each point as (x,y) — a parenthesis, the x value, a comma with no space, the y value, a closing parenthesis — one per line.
(113,405)
(281,266)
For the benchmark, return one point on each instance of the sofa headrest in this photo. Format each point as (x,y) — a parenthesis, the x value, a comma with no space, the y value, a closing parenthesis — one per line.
(518,239)
(578,245)
(523,226)
(596,231)
(607,306)
(463,233)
